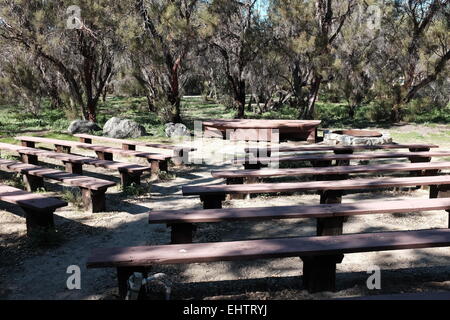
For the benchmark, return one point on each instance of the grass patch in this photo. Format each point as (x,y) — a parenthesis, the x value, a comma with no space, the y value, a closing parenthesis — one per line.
(136,190)
(73,196)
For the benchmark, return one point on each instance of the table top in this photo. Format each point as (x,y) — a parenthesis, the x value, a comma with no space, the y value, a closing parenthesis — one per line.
(261,124)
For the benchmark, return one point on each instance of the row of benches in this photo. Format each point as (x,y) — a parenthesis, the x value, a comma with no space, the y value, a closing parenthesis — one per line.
(92,189)
(39,209)
(321,253)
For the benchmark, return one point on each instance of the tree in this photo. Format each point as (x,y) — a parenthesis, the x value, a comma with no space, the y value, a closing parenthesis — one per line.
(424,50)
(170,31)
(312,28)
(235,30)
(83,55)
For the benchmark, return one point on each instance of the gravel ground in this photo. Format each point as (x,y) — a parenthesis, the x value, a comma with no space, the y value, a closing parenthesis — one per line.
(29,270)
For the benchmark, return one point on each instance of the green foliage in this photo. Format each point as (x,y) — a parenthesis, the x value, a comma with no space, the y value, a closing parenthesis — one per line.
(73,196)
(136,190)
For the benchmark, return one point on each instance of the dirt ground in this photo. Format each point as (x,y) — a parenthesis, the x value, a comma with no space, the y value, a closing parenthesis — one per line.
(31,270)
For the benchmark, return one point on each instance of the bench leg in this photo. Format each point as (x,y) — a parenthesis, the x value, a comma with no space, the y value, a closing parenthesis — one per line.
(127,179)
(28,144)
(128,147)
(86,140)
(74,168)
(253,166)
(32,183)
(104,156)
(62,149)
(321,164)
(331,196)
(212,201)
(93,200)
(30,159)
(419,159)
(182,233)
(124,273)
(231,181)
(419,150)
(439,191)
(343,162)
(319,272)
(38,221)
(158,166)
(448,211)
(330,226)
(164,165)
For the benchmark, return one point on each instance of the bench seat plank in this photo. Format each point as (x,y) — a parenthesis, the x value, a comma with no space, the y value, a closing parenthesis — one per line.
(297,212)
(344,157)
(392,167)
(52,174)
(133,142)
(316,185)
(32,201)
(267,248)
(97,148)
(309,148)
(121,166)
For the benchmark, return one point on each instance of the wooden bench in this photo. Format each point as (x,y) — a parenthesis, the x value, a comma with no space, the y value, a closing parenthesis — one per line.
(92,189)
(158,162)
(38,209)
(267,151)
(325,160)
(341,172)
(418,296)
(329,217)
(129,173)
(331,191)
(319,254)
(180,154)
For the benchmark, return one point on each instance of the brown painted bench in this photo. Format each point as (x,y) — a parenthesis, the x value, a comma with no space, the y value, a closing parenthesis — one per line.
(38,209)
(92,189)
(341,172)
(319,254)
(129,173)
(329,216)
(325,160)
(267,151)
(157,161)
(331,191)
(417,296)
(180,154)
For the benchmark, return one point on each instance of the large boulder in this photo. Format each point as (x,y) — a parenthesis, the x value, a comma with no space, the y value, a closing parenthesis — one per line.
(123,128)
(83,126)
(176,130)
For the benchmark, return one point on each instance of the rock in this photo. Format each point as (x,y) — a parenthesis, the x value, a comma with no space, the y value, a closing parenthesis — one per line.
(123,128)
(83,126)
(345,140)
(174,130)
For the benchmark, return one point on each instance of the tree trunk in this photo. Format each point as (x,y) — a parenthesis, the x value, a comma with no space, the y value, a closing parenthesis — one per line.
(92,110)
(151,105)
(174,96)
(313,93)
(239,100)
